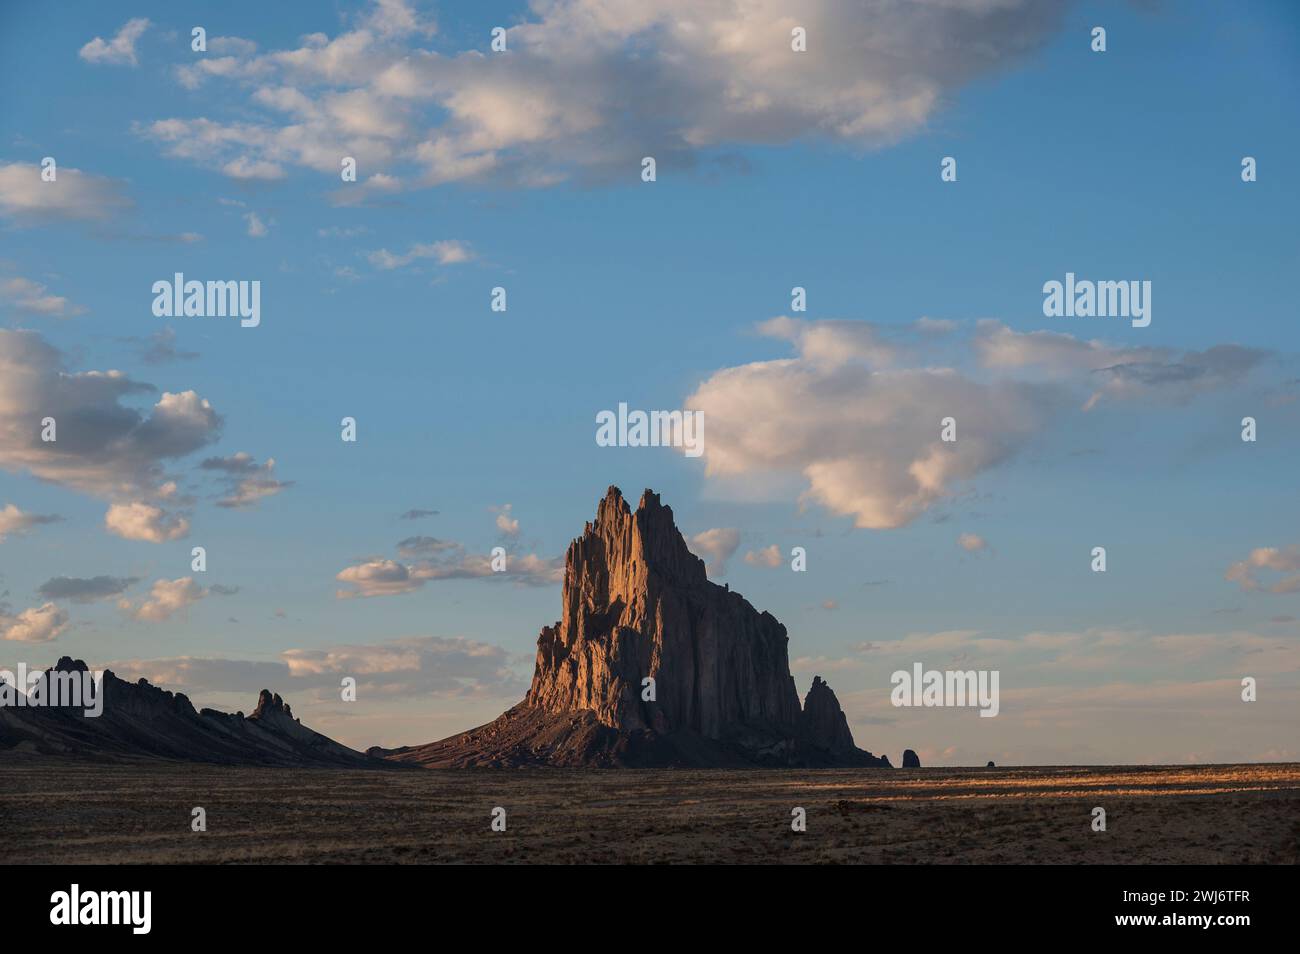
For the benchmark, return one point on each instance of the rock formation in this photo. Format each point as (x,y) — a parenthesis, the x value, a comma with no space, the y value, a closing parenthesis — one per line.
(141,721)
(652,664)
(911,759)
(824,730)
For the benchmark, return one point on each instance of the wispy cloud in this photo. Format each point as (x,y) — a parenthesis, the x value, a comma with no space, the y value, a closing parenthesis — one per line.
(119,51)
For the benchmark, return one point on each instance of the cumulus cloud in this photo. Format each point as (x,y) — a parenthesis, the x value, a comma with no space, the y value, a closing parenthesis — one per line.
(119,51)
(82,590)
(224,58)
(380,578)
(104,447)
(166,598)
(1285,560)
(717,546)
(865,438)
(14,521)
(143,521)
(28,200)
(33,298)
(247,482)
(998,346)
(40,624)
(398,18)
(769,557)
(587,85)
(855,415)
(505,522)
(971,542)
(833,343)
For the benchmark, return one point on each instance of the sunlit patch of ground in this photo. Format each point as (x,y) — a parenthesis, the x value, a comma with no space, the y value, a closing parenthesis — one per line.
(82,813)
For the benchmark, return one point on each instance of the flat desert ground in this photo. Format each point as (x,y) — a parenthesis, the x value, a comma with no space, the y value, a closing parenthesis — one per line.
(84,813)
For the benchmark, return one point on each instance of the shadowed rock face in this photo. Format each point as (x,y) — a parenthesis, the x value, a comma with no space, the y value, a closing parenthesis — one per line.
(141,721)
(911,759)
(823,726)
(636,604)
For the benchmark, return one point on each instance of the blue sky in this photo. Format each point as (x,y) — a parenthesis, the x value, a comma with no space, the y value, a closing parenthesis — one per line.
(1116,165)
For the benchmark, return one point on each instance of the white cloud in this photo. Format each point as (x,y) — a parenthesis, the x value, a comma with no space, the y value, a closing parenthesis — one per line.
(587,83)
(505,522)
(166,598)
(247,482)
(31,297)
(1284,560)
(256,227)
(397,18)
(119,51)
(231,45)
(833,343)
(449,252)
(40,624)
(104,447)
(865,438)
(28,200)
(450,561)
(854,416)
(380,578)
(1115,372)
(142,521)
(769,557)
(13,521)
(717,546)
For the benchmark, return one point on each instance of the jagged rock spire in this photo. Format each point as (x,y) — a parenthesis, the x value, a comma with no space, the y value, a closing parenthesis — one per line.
(650,664)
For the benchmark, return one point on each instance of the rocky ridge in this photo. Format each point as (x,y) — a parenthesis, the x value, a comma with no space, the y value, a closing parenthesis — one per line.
(141,721)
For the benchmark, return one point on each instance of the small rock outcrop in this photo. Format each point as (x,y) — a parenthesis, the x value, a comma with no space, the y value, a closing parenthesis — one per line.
(911,759)
(990,765)
(824,734)
(651,663)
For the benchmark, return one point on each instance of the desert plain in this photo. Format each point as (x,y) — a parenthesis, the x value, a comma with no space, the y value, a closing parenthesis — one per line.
(78,812)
